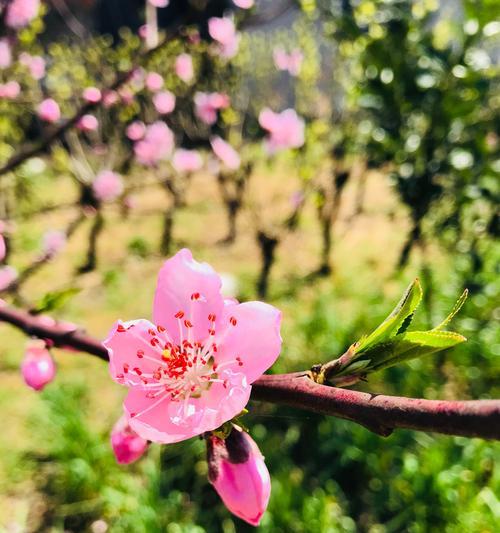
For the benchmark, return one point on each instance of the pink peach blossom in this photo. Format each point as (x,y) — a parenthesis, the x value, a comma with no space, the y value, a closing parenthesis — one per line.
(35,64)
(8,275)
(286,129)
(157,144)
(10,90)
(223,31)
(5,53)
(225,152)
(109,98)
(127,445)
(291,62)
(164,102)
(49,110)
(38,367)
(237,471)
(191,370)
(127,96)
(92,95)
(107,186)
(154,81)
(244,4)
(186,160)
(88,123)
(184,67)
(53,242)
(159,3)
(21,12)
(3,248)
(135,130)
(207,105)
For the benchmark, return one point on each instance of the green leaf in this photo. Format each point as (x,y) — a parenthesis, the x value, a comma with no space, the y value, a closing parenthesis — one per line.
(458,305)
(398,321)
(55,300)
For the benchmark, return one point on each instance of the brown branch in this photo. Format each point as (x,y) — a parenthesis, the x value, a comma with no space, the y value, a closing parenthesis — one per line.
(379,413)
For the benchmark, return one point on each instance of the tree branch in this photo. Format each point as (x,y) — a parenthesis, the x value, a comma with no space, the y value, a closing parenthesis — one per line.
(379,413)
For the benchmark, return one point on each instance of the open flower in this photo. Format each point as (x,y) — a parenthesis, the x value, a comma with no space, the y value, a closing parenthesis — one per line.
(291,62)
(156,145)
(238,473)
(21,12)
(127,445)
(286,129)
(191,369)
(207,105)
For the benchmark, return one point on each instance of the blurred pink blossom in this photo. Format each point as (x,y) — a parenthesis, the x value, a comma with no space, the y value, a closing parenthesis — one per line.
(207,105)
(187,160)
(107,186)
(88,123)
(53,242)
(10,90)
(92,95)
(237,471)
(135,130)
(159,3)
(21,12)
(286,129)
(225,152)
(3,248)
(291,62)
(38,367)
(164,102)
(49,110)
(223,31)
(5,53)
(109,98)
(157,144)
(35,64)
(127,445)
(127,96)
(244,4)
(154,81)
(8,275)
(184,67)
(191,370)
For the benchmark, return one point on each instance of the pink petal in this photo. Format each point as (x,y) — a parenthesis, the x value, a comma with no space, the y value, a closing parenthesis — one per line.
(179,281)
(255,338)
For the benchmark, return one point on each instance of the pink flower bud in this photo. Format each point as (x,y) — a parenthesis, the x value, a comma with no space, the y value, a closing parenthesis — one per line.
(184,67)
(238,473)
(154,82)
(92,95)
(53,242)
(5,53)
(10,90)
(225,152)
(3,248)
(243,4)
(49,110)
(8,275)
(127,445)
(88,123)
(107,186)
(136,130)
(159,3)
(164,102)
(38,367)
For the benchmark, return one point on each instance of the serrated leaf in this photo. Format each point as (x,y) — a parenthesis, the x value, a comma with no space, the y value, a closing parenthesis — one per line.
(411,345)
(456,308)
(55,300)
(399,319)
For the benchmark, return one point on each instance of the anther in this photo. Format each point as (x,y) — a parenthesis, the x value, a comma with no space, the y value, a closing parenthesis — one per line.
(233,321)
(179,314)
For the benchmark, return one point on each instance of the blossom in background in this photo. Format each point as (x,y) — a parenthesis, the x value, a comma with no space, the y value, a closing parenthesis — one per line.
(109,98)
(92,95)
(244,4)
(3,248)
(8,275)
(107,186)
(38,367)
(35,64)
(49,111)
(10,90)
(207,105)
(135,130)
(127,445)
(159,3)
(291,62)
(225,152)
(153,82)
(53,242)
(223,30)
(87,123)
(184,67)
(237,471)
(5,53)
(164,102)
(21,12)
(157,144)
(191,370)
(286,129)
(186,160)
